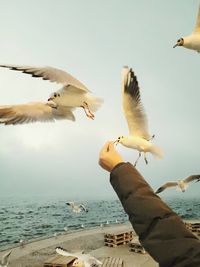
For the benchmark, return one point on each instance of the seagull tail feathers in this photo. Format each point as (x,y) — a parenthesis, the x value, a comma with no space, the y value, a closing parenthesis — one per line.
(156,151)
(94,103)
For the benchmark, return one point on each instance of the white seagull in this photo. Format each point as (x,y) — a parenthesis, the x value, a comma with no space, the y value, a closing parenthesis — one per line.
(77,208)
(191,41)
(5,259)
(60,104)
(139,137)
(89,261)
(180,184)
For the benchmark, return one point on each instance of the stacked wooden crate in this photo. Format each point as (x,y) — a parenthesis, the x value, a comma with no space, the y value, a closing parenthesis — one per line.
(135,246)
(194,227)
(115,239)
(112,262)
(60,261)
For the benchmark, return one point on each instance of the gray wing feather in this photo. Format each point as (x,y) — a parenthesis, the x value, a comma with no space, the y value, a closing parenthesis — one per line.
(163,187)
(197,26)
(32,112)
(192,178)
(132,105)
(49,73)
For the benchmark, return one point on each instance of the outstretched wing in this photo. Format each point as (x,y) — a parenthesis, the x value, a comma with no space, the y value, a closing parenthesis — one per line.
(192,178)
(83,207)
(132,105)
(197,26)
(70,203)
(32,112)
(63,252)
(167,185)
(5,258)
(49,73)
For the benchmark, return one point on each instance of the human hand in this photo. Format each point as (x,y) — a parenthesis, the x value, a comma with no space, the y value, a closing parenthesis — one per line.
(109,157)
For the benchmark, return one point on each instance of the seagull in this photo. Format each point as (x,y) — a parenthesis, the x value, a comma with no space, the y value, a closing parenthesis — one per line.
(191,41)
(22,243)
(65,228)
(59,105)
(180,184)
(89,261)
(5,259)
(139,137)
(77,208)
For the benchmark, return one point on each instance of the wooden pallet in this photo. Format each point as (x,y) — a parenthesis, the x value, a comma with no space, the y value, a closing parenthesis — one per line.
(59,261)
(114,245)
(112,262)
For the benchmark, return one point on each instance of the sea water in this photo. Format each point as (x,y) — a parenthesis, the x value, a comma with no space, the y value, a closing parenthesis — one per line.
(32,217)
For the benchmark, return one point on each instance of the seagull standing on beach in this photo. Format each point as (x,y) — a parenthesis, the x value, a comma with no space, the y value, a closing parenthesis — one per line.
(88,260)
(191,41)
(60,104)
(77,208)
(5,259)
(180,184)
(139,137)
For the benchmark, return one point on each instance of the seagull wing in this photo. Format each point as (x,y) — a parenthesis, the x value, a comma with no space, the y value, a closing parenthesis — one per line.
(70,203)
(49,73)
(5,258)
(32,112)
(83,207)
(163,187)
(63,252)
(197,26)
(133,109)
(192,178)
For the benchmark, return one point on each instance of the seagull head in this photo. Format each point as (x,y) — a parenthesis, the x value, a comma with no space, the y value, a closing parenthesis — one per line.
(119,140)
(180,42)
(53,96)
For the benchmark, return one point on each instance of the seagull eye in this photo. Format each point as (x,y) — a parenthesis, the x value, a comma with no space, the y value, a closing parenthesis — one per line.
(55,95)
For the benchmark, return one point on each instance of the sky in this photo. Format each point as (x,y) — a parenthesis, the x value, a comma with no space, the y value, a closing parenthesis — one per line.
(93,40)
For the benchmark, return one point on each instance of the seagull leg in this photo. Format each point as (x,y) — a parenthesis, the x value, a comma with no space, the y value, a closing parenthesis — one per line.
(152,137)
(87,112)
(88,109)
(146,161)
(137,159)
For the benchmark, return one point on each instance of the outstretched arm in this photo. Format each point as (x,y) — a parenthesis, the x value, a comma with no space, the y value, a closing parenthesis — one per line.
(160,230)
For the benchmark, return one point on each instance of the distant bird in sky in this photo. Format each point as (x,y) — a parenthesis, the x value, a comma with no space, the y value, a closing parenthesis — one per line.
(180,184)
(5,259)
(89,261)
(191,41)
(139,137)
(60,104)
(77,208)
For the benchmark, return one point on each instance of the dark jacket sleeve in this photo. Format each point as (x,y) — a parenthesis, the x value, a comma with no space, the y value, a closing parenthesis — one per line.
(160,230)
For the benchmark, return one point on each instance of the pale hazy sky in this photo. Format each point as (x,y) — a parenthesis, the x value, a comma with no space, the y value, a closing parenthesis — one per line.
(92,40)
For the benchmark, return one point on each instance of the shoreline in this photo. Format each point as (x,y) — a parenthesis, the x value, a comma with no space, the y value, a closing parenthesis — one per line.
(36,252)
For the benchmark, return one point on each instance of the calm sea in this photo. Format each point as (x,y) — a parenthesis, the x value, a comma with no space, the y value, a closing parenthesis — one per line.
(32,218)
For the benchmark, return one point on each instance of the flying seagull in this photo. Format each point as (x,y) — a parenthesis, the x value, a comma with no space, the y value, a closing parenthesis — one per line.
(191,41)
(89,261)
(59,105)
(5,259)
(77,208)
(139,137)
(181,184)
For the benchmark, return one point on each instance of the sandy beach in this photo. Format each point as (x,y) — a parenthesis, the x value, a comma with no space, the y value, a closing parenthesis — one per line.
(35,253)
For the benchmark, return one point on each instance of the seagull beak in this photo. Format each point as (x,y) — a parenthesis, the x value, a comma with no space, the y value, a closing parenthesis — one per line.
(116,142)
(175,45)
